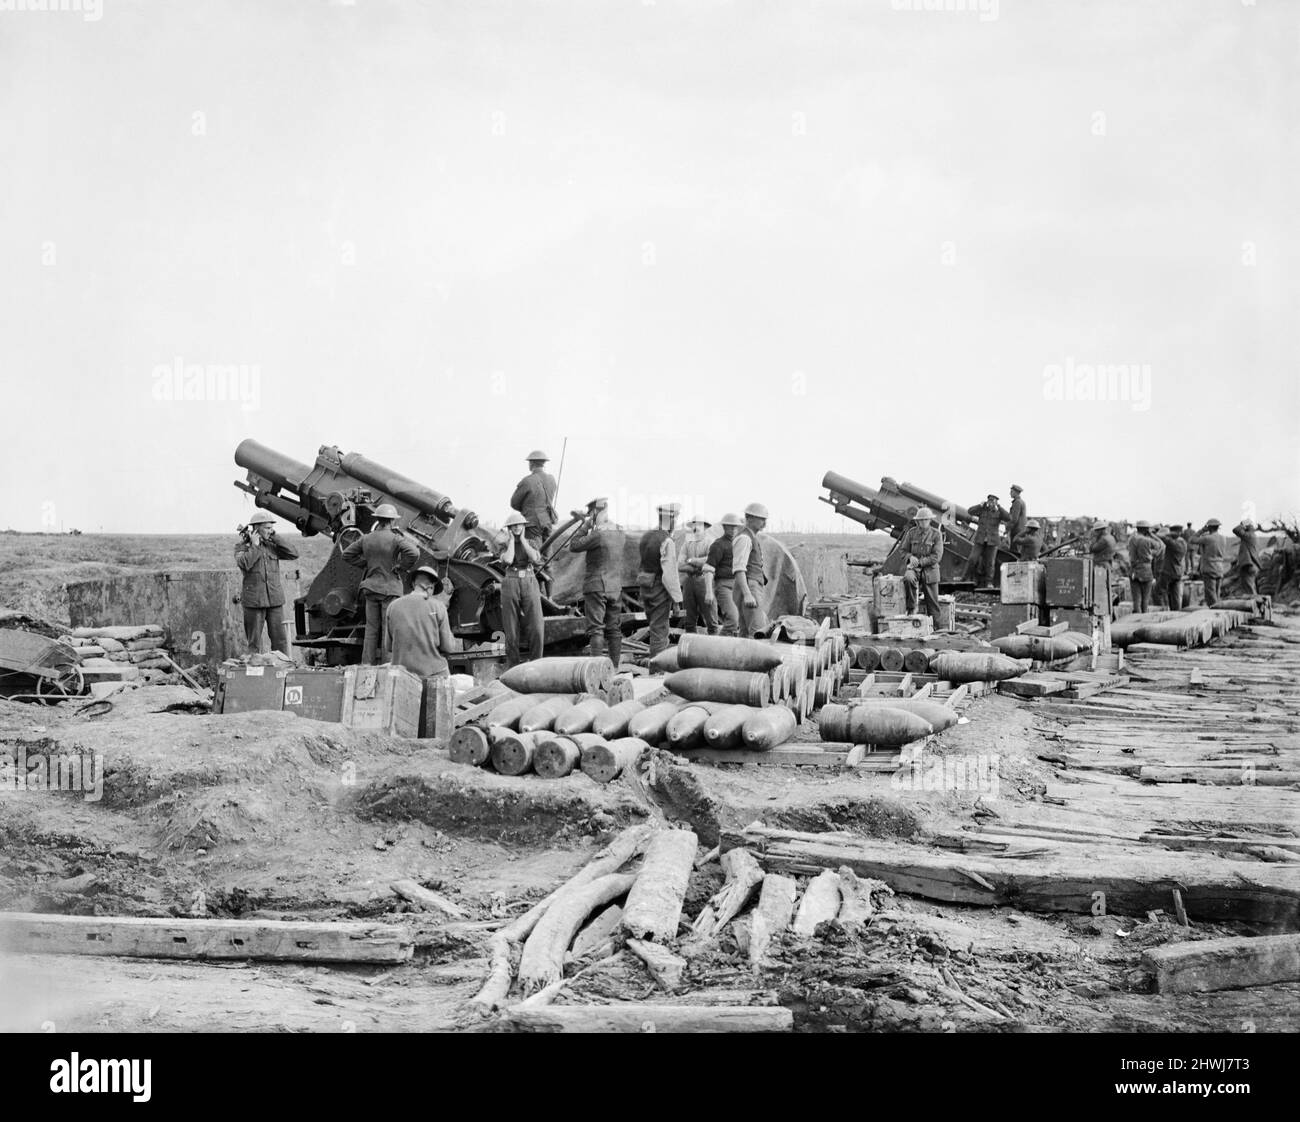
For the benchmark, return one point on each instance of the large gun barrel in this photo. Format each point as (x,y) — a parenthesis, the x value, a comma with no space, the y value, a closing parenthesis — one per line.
(884,507)
(920,494)
(404,490)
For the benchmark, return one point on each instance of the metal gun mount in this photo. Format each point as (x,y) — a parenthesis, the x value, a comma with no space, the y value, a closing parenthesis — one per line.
(891,509)
(338,496)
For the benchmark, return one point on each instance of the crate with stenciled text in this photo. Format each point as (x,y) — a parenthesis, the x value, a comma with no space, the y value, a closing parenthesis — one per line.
(1023,582)
(245,689)
(1069,581)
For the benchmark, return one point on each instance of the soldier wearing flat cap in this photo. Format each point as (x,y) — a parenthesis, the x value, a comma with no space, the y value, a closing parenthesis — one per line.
(657,577)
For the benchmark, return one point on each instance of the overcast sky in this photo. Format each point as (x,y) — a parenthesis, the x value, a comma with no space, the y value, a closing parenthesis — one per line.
(720,247)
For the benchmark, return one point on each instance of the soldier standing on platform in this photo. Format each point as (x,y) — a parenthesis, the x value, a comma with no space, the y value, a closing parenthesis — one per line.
(521,598)
(258,556)
(602,586)
(384,553)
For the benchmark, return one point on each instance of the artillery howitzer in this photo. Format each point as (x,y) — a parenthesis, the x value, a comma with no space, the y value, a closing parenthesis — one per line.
(891,509)
(338,496)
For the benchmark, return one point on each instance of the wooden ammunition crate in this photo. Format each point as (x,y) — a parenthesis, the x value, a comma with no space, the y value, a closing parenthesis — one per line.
(244,689)
(316,693)
(383,699)
(889,596)
(1005,618)
(1023,582)
(905,627)
(1069,581)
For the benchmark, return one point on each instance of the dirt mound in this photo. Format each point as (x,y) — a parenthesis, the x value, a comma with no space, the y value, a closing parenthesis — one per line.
(474,803)
(877,816)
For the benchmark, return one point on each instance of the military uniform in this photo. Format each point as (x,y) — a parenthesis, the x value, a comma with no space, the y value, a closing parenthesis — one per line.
(1172,566)
(1144,550)
(925,544)
(534,498)
(659,586)
(1213,563)
(418,635)
(602,587)
(521,608)
(1247,556)
(1102,550)
(384,553)
(262,595)
(984,557)
(1028,544)
(1017,517)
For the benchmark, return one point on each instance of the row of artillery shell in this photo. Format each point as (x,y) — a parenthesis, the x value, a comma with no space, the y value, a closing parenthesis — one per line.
(890,722)
(564,713)
(560,675)
(549,754)
(717,725)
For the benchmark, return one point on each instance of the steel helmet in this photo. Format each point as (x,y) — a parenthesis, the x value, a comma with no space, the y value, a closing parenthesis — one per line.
(731,519)
(537,455)
(698,520)
(1098,526)
(1214,522)
(923,512)
(515,519)
(1143,524)
(756,510)
(386,510)
(260,517)
(432,573)
(1032,524)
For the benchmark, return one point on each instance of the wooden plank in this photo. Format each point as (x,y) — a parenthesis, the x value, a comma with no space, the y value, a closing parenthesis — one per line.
(483,708)
(1031,685)
(416,893)
(1065,881)
(650,1018)
(1224,964)
(276,940)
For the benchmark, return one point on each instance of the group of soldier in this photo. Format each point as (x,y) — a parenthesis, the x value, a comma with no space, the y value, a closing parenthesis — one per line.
(1157,554)
(718,581)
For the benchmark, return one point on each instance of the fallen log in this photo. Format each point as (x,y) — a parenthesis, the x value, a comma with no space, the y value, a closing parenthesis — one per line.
(665,967)
(820,903)
(416,893)
(744,876)
(654,904)
(651,1018)
(613,857)
(542,961)
(771,914)
(1224,964)
(1056,881)
(274,940)
(598,932)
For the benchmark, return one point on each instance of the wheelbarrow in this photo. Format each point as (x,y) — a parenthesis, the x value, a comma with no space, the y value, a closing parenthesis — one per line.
(34,668)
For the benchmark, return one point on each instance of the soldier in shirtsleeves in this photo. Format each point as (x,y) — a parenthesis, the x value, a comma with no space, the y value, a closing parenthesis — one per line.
(724,577)
(748,572)
(521,597)
(699,603)
(923,545)
(417,631)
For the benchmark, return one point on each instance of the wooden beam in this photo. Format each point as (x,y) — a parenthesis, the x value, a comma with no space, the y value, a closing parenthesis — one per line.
(430,901)
(276,940)
(1224,964)
(650,1018)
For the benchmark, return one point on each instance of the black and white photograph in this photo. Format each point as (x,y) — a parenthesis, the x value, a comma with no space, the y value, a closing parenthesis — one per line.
(758,517)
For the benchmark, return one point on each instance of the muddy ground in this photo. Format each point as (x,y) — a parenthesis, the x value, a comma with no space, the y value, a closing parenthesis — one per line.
(267,815)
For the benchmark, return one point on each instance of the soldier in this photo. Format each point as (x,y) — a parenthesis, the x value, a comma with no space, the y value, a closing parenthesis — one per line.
(1213,561)
(1247,555)
(417,632)
(724,577)
(534,498)
(923,545)
(1101,546)
(602,586)
(1019,514)
(749,574)
(521,596)
(258,554)
(1172,566)
(982,564)
(696,574)
(384,553)
(657,577)
(1144,550)
(1028,543)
